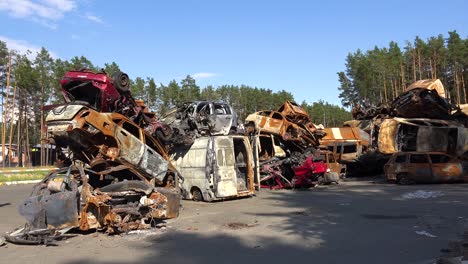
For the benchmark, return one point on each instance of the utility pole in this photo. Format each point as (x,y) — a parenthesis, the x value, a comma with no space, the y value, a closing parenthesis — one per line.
(4,111)
(324,121)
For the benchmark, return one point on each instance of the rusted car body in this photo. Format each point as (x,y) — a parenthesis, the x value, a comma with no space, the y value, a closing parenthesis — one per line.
(294,112)
(276,123)
(346,143)
(120,178)
(332,164)
(425,167)
(72,198)
(216,168)
(422,99)
(422,135)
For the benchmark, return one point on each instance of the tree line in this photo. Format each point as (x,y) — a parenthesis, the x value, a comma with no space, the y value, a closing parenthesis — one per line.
(379,75)
(30,81)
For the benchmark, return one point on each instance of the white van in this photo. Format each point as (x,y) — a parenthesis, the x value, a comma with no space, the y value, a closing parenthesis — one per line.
(216,168)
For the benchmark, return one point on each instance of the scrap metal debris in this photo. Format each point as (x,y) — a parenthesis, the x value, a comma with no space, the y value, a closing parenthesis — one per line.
(425,233)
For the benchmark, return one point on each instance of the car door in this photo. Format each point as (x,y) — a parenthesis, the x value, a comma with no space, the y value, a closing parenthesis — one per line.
(419,168)
(152,162)
(131,147)
(444,168)
(225,172)
(221,119)
(275,123)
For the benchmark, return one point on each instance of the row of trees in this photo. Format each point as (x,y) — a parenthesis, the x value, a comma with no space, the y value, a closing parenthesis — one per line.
(30,81)
(381,74)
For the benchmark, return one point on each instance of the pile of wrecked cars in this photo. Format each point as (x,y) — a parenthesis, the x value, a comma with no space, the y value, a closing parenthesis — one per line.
(116,176)
(419,124)
(286,144)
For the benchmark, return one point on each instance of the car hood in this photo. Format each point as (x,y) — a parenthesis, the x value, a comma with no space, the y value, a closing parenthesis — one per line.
(63,112)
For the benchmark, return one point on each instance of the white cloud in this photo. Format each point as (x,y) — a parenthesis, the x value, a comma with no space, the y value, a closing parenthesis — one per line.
(39,11)
(203,75)
(94,18)
(22,47)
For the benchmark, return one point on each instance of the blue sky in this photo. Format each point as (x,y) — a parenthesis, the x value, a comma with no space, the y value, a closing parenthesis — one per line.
(297,46)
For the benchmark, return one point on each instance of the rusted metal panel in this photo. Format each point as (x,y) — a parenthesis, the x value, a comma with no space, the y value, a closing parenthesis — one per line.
(387,136)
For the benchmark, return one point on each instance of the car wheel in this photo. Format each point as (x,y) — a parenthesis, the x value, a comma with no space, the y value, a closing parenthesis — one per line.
(163,137)
(404,179)
(121,81)
(197,195)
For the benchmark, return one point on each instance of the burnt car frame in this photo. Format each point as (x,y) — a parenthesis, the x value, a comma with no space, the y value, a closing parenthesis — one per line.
(181,125)
(276,123)
(425,167)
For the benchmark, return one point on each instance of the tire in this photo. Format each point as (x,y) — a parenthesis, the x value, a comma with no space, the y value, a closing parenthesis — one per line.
(197,195)
(121,81)
(163,137)
(404,179)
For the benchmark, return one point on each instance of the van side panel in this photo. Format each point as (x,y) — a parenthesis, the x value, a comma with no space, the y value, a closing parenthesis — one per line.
(191,164)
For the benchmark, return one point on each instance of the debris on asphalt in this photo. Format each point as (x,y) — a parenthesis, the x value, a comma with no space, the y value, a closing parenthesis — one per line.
(421,194)
(424,233)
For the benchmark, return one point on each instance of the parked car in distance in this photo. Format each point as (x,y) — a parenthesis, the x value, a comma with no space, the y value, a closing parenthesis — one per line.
(425,167)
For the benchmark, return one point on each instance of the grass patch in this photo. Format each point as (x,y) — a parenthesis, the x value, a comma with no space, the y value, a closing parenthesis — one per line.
(23,176)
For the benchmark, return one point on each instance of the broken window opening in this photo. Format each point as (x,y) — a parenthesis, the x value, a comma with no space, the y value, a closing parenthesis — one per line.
(131,129)
(88,94)
(407,138)
(240,152)
(418,158)
(438,158)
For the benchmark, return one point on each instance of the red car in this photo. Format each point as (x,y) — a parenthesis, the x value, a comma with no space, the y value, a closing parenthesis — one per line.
(100,91)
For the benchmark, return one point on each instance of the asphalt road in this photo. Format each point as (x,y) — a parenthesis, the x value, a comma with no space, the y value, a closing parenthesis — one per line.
(354,222)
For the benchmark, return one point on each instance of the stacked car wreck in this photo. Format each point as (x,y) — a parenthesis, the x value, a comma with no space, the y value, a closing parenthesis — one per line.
(421,121)
(215,161)
(286,143)
(116,177)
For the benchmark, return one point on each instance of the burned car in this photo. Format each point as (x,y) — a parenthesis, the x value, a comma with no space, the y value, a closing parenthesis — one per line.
(423,99)
(120,178)
(183,124)
(294,112)
(74,197)
(274,122)
(216,168)
(421,135)
(104,93)
(425,167)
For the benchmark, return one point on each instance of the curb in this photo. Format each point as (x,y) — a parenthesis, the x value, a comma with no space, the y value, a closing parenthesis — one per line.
(27,170)
(19,182)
